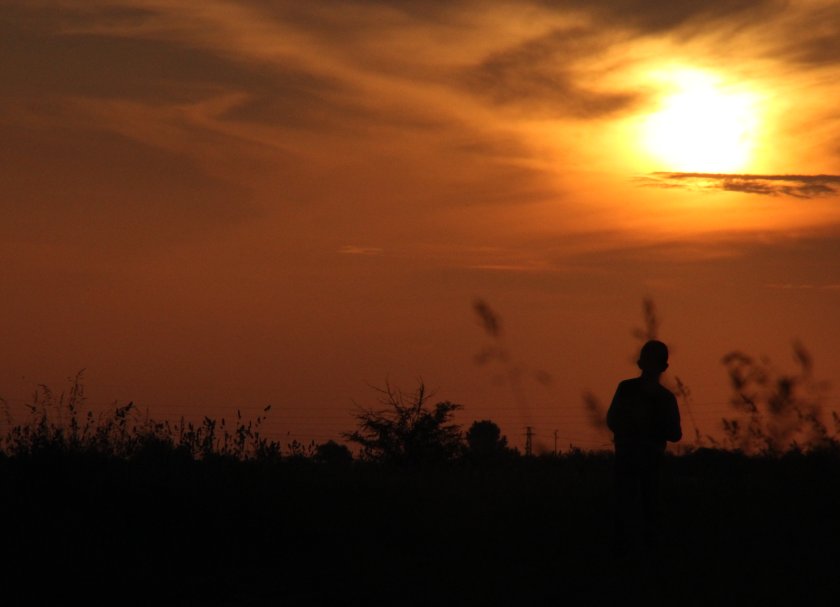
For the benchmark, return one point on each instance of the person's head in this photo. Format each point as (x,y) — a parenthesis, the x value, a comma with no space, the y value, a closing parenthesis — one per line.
(653,359)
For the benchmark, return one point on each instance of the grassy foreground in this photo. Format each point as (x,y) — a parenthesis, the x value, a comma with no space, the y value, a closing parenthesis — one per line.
(121,509)
(169,529)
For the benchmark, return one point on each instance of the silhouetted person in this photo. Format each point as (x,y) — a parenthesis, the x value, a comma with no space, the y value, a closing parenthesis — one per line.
(643,416)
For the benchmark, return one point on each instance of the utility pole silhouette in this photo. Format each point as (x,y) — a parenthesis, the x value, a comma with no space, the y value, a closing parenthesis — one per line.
(529,436)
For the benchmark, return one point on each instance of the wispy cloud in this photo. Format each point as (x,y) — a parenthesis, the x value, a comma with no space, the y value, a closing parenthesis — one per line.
(815,36)
(804,287)
(797,186)
(511,267)
(656,16)
(541,76)
(357,250)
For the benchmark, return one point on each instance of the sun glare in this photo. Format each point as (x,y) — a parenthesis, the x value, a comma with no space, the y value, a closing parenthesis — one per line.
(702,125)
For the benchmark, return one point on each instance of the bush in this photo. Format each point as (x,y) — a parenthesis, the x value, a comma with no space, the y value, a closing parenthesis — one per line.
(407,431)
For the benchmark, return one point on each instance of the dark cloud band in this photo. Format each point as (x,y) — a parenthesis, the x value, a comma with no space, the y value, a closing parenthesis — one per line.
(798,186)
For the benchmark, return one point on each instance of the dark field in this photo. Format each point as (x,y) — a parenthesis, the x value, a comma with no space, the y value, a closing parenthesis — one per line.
(165,529)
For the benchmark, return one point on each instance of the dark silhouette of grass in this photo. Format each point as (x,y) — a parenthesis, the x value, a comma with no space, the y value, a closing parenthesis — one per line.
(62,424)
(122,509)
(221,531)
(776,410)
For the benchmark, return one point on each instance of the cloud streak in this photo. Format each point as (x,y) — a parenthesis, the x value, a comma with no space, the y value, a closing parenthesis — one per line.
(541,76)
(804,287)
(655,16)
(351,249)
(796,186)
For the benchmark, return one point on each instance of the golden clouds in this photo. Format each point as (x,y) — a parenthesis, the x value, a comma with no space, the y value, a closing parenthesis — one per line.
(320,170)
(409,111)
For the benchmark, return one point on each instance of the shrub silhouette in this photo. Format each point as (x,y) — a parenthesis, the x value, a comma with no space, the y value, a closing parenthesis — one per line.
(407,431)
(332,454)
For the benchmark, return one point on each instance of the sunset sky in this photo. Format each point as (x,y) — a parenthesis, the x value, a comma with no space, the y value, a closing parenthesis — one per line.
(210,205)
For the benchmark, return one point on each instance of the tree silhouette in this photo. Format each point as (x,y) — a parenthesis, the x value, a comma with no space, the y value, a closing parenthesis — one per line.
(407,430)
(485,441)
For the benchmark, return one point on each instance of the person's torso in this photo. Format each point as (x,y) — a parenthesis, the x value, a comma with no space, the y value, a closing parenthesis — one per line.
(644,413)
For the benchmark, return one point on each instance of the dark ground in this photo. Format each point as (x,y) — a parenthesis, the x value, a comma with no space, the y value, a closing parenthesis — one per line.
(530,532)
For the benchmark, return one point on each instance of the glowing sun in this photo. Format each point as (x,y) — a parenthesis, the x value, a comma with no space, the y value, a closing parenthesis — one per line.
(701,125)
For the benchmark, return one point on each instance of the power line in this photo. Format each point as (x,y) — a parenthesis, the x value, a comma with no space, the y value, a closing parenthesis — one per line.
(529,435)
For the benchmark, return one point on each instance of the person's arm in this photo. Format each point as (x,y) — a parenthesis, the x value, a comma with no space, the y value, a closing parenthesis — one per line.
(673,431)
(615,412)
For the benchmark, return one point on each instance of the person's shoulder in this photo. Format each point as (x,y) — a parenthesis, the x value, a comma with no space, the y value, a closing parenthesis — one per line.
(628,384)
(666,393)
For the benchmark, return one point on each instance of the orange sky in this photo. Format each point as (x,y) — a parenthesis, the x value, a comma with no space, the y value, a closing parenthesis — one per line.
(212,204)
